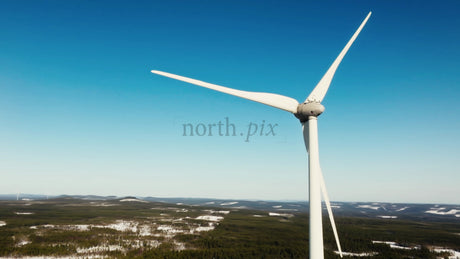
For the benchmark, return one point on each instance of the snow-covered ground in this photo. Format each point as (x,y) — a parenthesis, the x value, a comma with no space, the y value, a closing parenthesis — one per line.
(201,229)
(210,218)
(145,228)
(287,210)
(357,254)
(387,217)
(102,204)
(169,229)
(63,257)
(138,229)
(229,203)
(454,254)
(98,249)
(23,243)
(274,214)
(58,257)
(133,200)
(24,213)
(217,211)
(137,243)
(2,223)
(395,245)
(121,225)
(369,207)
(439,211)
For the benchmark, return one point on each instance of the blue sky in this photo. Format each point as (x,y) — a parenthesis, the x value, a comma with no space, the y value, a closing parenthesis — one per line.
(80,113)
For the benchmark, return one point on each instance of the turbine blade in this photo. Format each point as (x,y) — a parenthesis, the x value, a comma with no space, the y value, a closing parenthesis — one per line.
(329,211)
(318,93)
(306,136)
(274,100)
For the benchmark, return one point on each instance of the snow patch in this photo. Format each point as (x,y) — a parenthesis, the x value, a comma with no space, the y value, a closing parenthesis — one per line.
(119,225)
(357,254)
(287,210)
(395,245)
(169,229)
(140,243)
(384,242)
(401,209)
(179,246)
(144,230)
(229,203)
(98,249)
(103,204)
(217,211)
(23,243)
(210,218)
(277,206)
(387,217)
(49,226)
(133,200)
(453,254)
(438,211)
(2,223)
(47,257)
(274,214)
(24,213)
(200,229)
(122,225)
(368,207)
(80,227)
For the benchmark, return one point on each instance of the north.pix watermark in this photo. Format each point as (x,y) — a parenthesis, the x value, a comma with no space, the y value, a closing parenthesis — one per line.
(224,128)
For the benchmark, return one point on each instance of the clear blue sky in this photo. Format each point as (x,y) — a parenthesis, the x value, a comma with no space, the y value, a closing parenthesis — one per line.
(80,113)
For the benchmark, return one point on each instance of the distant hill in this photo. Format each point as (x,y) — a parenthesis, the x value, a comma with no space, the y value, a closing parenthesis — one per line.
(383,210)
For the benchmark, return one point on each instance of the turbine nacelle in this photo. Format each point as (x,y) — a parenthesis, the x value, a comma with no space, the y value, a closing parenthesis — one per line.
(308,109)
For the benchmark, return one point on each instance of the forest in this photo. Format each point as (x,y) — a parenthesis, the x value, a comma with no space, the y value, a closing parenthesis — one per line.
(133,228)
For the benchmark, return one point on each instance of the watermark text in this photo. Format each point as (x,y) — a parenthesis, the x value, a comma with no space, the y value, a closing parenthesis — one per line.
(224,128)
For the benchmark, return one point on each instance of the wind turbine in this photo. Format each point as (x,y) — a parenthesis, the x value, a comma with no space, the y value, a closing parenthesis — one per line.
(307,112)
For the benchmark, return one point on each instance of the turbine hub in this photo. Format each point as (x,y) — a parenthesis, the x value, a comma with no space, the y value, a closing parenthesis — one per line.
(308,109)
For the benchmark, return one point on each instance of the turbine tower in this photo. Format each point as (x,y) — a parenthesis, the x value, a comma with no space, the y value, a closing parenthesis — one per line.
(307,112)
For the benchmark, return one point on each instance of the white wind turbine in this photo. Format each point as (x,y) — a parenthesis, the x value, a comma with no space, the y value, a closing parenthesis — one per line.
(307,112)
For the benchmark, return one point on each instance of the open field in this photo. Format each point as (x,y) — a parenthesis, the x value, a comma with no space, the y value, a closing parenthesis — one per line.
(133,228)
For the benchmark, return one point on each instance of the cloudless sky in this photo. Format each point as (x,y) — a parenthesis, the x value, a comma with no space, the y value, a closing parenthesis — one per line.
(80,112)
